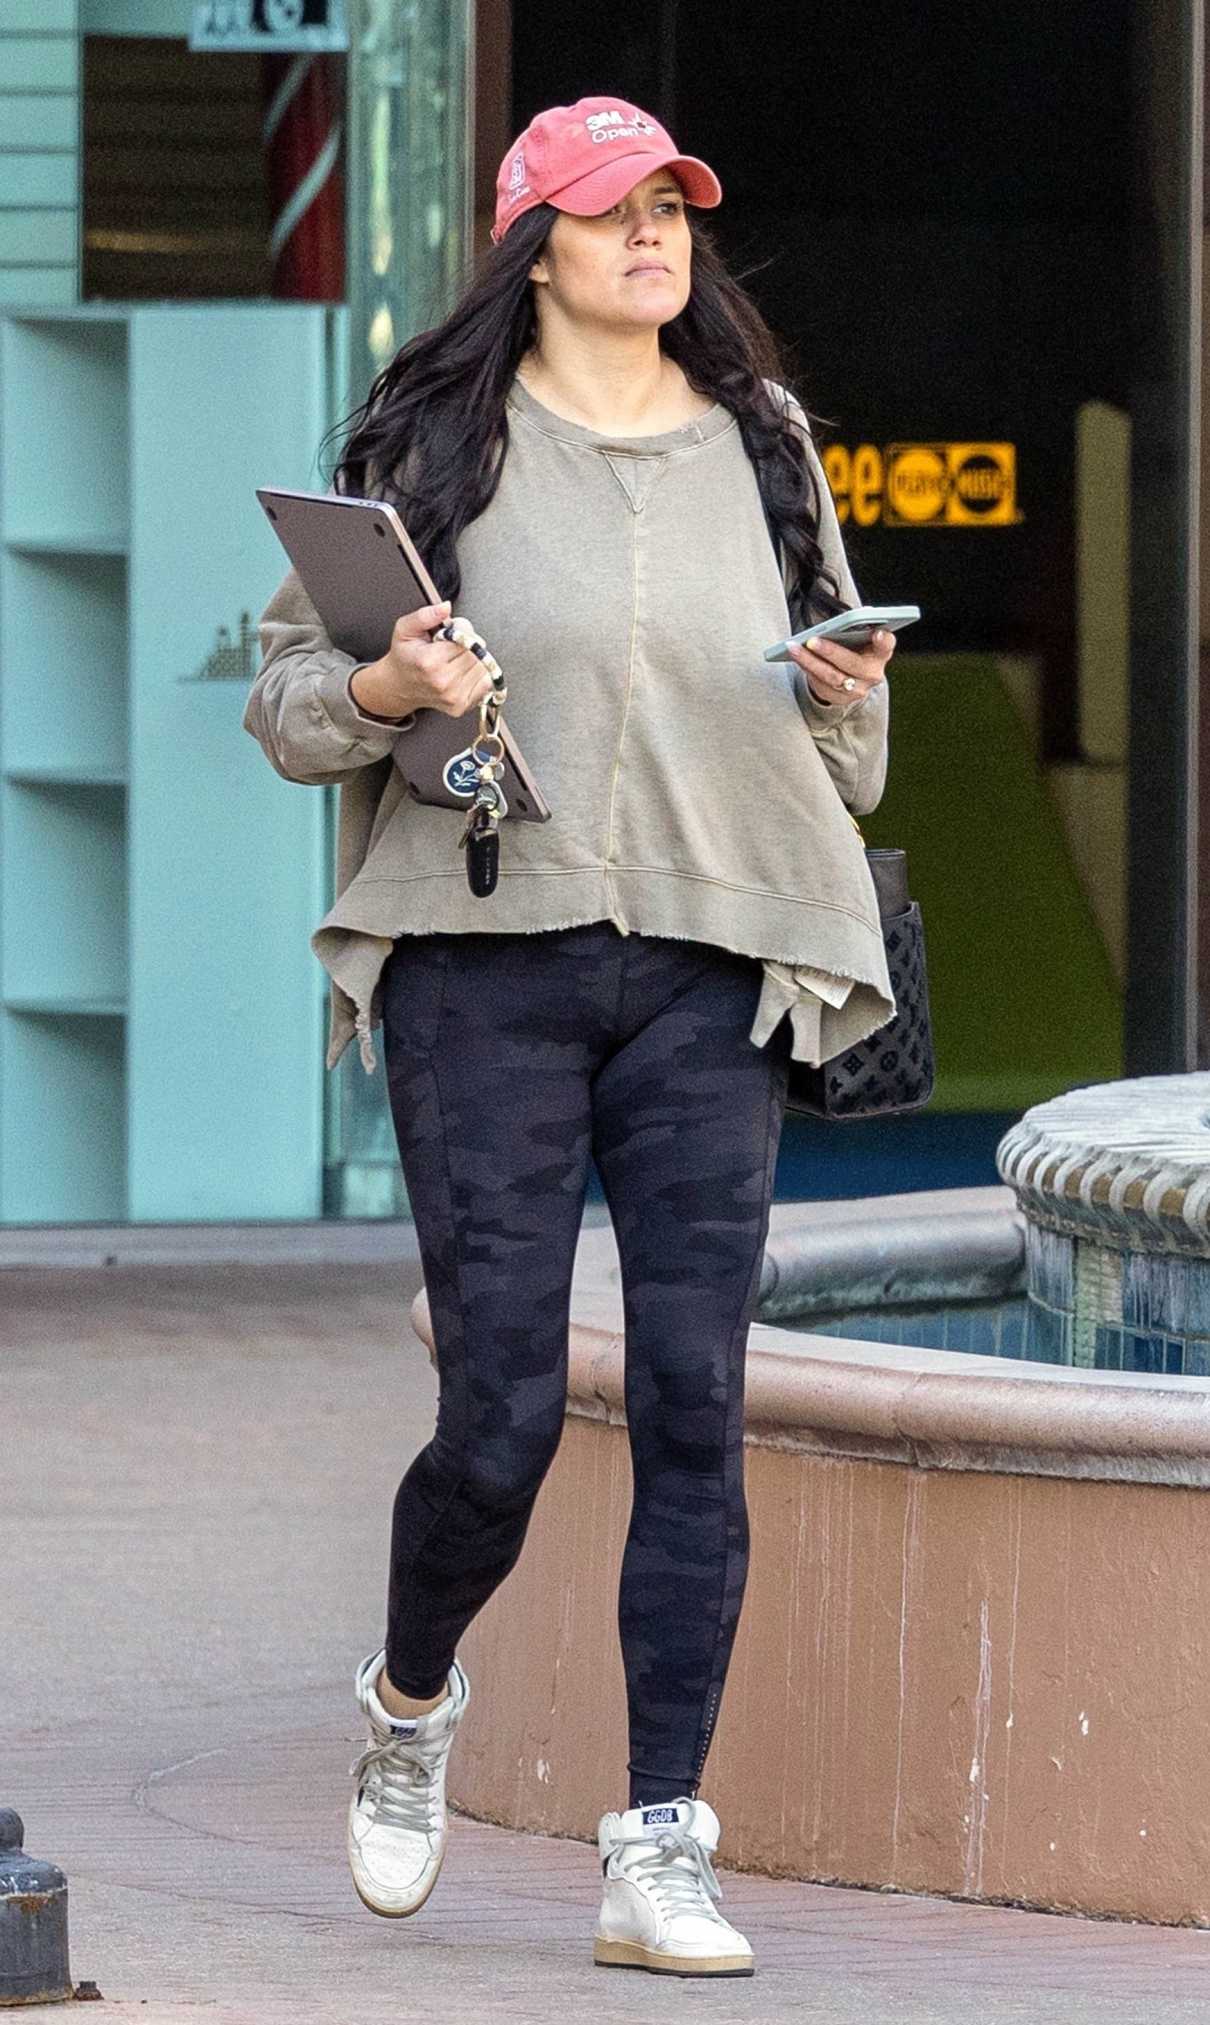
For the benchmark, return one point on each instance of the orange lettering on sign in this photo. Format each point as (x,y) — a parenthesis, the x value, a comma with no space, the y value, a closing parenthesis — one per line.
(867,484)
(924,484)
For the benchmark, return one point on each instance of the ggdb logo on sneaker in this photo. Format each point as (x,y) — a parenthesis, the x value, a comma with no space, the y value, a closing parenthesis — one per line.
(652,1816)
(617,126)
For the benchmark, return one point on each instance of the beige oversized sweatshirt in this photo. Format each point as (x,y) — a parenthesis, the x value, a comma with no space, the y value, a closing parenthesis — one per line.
(627,586)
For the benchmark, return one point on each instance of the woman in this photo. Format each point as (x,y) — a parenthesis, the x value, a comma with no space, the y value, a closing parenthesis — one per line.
(594,453)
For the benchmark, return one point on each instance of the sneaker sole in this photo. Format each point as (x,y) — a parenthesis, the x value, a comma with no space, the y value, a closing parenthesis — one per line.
(633,1955)
(398,1912)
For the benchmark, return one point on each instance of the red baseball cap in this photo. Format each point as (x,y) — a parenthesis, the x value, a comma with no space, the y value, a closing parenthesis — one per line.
(584,157)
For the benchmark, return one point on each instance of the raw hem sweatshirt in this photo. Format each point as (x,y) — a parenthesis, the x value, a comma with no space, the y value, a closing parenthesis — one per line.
(627,586)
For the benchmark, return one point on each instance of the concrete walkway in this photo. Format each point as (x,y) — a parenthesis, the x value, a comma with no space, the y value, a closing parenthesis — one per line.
(198,1466)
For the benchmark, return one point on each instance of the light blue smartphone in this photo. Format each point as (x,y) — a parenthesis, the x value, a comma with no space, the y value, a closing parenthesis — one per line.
(850,629)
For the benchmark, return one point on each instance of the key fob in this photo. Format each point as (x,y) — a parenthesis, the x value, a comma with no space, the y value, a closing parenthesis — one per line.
(483,860)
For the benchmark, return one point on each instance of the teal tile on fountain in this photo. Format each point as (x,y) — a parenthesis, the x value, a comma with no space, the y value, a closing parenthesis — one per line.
(1012,1331)
(1142,1353)
(1050,1266)
(1195,1286)
(1047,1340)
(978,1332)
(959,1329)
(1163,1292)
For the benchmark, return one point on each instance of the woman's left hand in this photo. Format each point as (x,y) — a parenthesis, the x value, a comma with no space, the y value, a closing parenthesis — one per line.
(827,665)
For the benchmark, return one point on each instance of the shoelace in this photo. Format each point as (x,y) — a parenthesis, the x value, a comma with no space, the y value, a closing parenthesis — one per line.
(677,1889)
(406,1792)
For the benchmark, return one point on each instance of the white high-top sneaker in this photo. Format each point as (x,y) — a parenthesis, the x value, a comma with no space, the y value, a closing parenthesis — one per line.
(397,1817)
(660,1908)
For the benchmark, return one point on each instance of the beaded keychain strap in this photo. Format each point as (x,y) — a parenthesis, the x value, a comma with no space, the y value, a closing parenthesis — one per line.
(481,833)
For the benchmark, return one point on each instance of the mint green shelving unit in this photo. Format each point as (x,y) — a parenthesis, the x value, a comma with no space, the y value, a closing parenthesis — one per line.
(161,1013)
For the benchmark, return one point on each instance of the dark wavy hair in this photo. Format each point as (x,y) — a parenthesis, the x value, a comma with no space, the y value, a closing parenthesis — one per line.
(431,435)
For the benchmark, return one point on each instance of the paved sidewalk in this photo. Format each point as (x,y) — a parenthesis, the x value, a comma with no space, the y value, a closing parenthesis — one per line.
(198,1466)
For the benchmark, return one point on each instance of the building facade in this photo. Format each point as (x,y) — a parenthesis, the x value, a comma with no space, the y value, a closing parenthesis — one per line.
(215,230)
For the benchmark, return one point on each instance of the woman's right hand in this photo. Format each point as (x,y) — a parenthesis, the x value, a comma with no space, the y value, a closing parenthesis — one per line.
(420,673)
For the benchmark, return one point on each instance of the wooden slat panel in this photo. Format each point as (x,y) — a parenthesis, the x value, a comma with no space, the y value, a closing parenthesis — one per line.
(34,15)
(156,61)
(37,179)
(110,170)
(197,276)
(195,110)
(235,213)
(138,121)
(38,120)
(39,287)
(47,237)
(39,62)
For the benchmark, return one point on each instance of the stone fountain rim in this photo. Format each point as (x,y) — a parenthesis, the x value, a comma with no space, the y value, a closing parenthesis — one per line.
(1085,1164)
(929,1409)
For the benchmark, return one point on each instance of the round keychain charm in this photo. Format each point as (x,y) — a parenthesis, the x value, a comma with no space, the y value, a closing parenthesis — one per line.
(475,773)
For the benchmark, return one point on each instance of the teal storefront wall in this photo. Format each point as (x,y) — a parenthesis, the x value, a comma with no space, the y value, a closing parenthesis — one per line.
(162,1017)
(161,1012)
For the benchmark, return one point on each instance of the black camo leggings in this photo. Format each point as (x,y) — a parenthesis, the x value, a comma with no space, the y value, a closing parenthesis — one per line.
(511,1058)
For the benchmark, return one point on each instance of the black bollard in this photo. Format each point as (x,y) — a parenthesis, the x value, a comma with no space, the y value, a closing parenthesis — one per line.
(33,1922)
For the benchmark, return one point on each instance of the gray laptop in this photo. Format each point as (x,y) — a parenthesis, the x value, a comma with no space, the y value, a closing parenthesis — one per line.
(361,571)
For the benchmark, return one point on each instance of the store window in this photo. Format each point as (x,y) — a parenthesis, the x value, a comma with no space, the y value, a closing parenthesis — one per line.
(211,169)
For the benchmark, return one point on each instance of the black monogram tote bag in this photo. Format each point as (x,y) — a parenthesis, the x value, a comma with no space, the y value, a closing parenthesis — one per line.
(893,1069)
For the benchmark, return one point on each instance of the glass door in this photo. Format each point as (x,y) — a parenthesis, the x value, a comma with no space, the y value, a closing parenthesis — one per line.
(410,169)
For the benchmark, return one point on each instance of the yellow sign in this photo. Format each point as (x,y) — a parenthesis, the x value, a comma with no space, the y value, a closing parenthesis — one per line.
(925,484)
